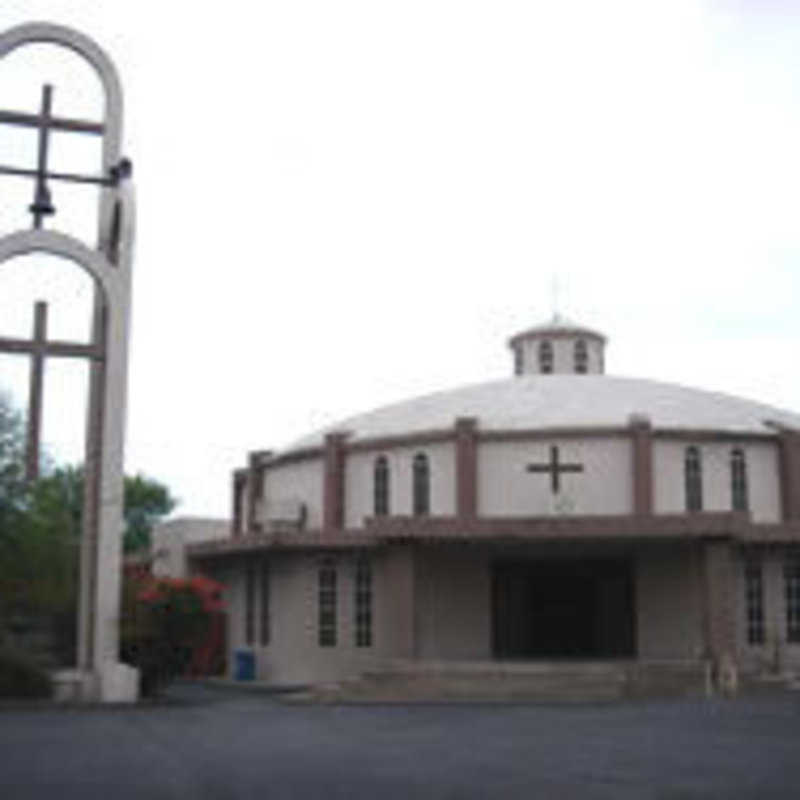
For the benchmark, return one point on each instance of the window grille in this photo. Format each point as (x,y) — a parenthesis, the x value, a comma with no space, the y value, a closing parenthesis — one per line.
(518,360)
(754,602)
(363,603)
(791,574)
(739,499)
(264,626)
(381,487)
(581,357)
(545,356)
(693,475)
(421,485)
(250,604)
(326,578)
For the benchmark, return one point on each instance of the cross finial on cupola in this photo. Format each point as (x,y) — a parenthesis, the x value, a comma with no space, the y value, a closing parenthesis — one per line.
(560,346)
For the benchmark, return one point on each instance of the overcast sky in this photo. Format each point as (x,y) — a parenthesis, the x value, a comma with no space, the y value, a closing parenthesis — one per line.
(345,204)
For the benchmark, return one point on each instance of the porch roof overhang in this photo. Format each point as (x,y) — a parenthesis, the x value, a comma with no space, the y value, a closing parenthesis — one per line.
(498,530)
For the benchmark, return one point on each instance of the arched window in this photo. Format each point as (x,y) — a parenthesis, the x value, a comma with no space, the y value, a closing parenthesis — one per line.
(381,487)
(421,485)
(581,357)
(546,356)
(739,501)
(693,477)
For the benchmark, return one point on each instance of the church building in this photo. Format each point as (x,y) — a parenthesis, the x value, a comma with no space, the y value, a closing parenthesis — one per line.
(559,515)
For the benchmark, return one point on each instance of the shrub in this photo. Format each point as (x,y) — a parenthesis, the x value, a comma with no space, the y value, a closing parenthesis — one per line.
(163,621)
(22,677)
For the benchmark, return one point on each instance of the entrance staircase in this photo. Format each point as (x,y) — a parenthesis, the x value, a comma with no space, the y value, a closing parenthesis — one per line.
(517,682)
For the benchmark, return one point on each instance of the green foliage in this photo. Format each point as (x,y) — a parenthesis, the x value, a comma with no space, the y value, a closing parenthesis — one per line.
(40,534)
(13,492)
(146,501)
(21,677)
(163,621)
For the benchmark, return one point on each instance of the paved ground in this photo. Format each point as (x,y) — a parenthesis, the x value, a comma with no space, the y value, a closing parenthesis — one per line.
(212,743)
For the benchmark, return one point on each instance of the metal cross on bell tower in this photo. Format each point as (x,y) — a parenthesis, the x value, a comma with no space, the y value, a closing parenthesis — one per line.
(42,205)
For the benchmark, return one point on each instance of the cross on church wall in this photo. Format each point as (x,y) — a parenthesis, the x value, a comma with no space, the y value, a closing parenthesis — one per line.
(554,468)
(38,348)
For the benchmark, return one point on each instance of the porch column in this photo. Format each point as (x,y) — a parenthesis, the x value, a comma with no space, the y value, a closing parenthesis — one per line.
(333,489)
(642,460)
(239,484)
(466,469)
(789,445)
(720,607)
(255,488)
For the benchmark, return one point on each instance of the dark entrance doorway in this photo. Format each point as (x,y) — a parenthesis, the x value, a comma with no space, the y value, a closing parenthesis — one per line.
(563,608)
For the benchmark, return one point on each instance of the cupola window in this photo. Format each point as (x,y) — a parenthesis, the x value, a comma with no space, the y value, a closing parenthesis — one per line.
(581,357)
(518,360)
(546,356)
(693,478)
(381,486)
(421,485)
(739,499)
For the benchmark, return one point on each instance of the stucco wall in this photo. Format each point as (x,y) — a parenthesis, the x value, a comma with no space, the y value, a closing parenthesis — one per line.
(300,482)
(359,481)
(293,655)
(669,603)
(563,355)
(453,605)
(775,654)
(506,488)
(169,539)
(762,477)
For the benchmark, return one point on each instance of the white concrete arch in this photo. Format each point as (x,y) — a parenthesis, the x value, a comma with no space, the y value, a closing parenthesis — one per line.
(48,33)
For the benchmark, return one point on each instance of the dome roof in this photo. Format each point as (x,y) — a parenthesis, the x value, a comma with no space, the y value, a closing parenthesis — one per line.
(568,401)
(558,325)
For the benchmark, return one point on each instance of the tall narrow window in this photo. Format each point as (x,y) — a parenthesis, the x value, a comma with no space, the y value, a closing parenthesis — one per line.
(264,620)
(739,501)
(581,357)
(381,486)
(791,576)
(693,477)
(545,356)
(326,597)
(363,603)
(250,604)
(518,360)
(422,485)
(754,601)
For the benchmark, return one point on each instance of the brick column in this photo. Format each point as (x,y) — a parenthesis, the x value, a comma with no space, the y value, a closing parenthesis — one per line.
(720,601)
(466,469)
(789,447)
(333,489)
(642,461)
(239,484)
(399,601)
(255,487)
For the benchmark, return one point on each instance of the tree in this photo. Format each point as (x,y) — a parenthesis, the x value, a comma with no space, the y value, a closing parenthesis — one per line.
(40,531)
(146,501)
(13,491)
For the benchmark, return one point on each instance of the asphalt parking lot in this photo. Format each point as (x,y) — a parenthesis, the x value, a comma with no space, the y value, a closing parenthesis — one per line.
(213,743)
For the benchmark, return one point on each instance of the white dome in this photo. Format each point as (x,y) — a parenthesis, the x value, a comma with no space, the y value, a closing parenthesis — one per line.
(568,401)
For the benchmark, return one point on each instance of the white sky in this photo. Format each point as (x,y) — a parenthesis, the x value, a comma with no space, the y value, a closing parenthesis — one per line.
(346,204)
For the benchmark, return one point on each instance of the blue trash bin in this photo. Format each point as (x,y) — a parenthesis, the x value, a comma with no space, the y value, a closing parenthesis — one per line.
(245,665)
